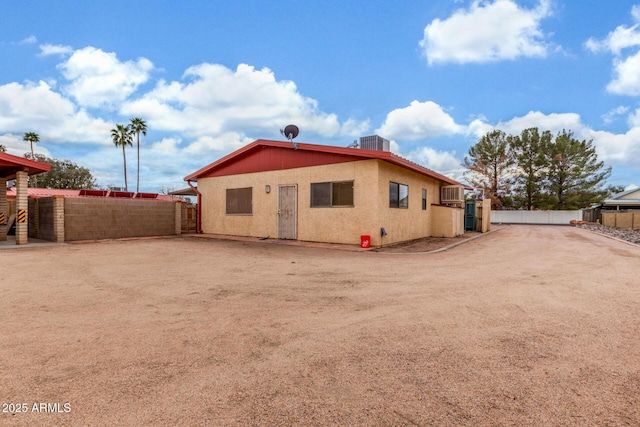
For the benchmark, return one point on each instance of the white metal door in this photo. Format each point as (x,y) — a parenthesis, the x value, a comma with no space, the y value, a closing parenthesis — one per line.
(287,212)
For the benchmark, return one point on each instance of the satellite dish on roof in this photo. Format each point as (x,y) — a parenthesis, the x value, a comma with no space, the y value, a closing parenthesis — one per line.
(290,132)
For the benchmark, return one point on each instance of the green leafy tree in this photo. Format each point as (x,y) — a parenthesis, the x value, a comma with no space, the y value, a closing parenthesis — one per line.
(575,178)
(489,165)
(138,126)
(64,174)
(530,156)
(122,137)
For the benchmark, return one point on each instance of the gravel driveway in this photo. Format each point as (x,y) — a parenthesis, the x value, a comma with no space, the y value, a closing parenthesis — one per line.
(530,325)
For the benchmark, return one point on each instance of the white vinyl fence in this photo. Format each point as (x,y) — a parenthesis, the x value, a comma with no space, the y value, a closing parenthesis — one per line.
(535,217)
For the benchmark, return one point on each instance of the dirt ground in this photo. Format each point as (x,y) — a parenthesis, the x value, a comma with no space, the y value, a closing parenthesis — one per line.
(524,326)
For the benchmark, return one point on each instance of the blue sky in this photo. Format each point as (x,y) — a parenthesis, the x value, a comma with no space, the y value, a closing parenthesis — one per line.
(211,76)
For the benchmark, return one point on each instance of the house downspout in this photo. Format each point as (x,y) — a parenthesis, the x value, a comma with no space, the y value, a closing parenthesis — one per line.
(199,211)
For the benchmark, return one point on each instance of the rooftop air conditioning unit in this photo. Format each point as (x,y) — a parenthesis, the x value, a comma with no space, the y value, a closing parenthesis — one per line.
(451,195)
(374,142)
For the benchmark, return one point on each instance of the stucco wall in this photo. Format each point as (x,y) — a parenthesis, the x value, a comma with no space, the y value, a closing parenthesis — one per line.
(337,224)
(447,221)
(97,218)
(413,222)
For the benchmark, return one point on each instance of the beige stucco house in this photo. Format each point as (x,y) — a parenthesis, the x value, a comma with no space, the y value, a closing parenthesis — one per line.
(273,189)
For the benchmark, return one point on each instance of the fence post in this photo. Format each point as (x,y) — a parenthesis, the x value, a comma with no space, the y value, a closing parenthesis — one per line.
(177,217)
(58,219)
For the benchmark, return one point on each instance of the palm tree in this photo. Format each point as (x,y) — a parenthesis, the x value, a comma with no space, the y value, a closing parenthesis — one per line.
(31,137)
(122,137)
(138,125)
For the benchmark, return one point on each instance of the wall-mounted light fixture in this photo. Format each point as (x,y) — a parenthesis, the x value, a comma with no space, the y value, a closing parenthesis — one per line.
(267,188)
(383,232)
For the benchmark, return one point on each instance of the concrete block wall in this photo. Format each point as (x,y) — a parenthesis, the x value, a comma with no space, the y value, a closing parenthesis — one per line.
(36,214)
(98,218)
(58,219)
(177,218)
(22,204)
(46,218)
(4,209)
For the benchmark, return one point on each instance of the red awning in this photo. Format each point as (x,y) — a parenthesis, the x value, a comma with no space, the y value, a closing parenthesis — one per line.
(10,165)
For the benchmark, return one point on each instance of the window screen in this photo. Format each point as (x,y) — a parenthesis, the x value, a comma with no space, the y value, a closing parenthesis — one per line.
(239,201)
(328,194)
(342,194)
(424,199)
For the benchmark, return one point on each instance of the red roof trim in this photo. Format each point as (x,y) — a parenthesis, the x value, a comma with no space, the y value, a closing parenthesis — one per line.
(355,153)
(10,164)
(36,193)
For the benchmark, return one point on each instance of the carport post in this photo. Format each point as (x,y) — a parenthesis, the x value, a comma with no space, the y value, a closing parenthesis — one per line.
(22,208)
(4,215)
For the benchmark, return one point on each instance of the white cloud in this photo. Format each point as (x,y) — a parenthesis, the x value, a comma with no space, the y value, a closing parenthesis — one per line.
(167,146)
(635,12)
(206,145)
(213,100)
(626,79)
(54,49)
(18,147)
(619,39)
(634,119)
(353,127)
(29,40)
(37,107)
(487,31)
(98,78)
(610,116)
(441,161)
(555,122)
(479,127)
(623,149)
(419,120)
(211,111)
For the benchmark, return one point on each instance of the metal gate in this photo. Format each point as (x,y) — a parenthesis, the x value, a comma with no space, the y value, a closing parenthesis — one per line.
(470,216)
(287,212)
